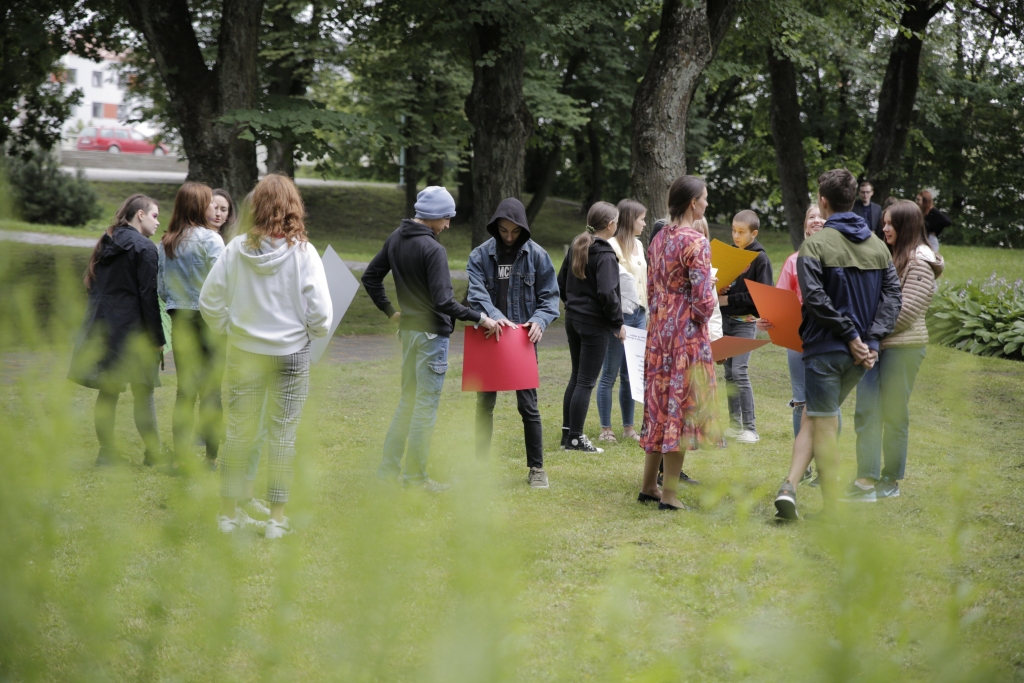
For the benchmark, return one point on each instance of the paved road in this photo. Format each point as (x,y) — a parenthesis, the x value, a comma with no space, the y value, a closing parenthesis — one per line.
(178,177)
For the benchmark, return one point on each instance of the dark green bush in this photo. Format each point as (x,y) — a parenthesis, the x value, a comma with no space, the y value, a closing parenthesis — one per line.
(985,319)
(45,194)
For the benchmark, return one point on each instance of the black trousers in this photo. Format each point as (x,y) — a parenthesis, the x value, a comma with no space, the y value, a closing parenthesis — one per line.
(145,420)
(532,432)
(588,345)
(199,357)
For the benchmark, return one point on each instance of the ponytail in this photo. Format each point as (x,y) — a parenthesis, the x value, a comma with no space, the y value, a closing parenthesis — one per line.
(580,254)
(128,211)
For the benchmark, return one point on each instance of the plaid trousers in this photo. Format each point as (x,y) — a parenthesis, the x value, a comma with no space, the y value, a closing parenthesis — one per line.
(256,382)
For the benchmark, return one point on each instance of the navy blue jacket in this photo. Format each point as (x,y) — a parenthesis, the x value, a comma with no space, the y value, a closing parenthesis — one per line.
(872,215)
(849,285)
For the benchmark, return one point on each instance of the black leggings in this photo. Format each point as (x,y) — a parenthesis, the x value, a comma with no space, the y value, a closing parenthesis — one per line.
(145,420)
(588,345)
(199,363)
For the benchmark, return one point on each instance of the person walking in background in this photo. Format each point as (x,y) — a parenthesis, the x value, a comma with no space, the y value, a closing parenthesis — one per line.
(739,315)
(851,298)
(122,337)
(188,250)
(934,220)
(883,395)
(268,293)
(633,291)
(512,278)
(423,282)
(589,285)
(867,209)
(680,412)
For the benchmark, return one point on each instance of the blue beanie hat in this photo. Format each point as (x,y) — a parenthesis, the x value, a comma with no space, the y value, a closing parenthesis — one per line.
(435,202)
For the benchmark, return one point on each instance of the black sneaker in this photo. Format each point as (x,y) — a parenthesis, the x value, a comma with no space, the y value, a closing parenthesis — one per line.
(887,489)
(857,494)
(808,474)
(785,503)
(581,443)
(684,478)
(816,483)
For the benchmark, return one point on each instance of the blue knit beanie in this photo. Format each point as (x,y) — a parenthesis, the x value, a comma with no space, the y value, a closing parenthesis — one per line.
(435,202)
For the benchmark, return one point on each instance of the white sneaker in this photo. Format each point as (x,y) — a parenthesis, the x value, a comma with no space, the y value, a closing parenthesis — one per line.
(732,432)
(257,506)
(747,436)
(227,525)
(277,529)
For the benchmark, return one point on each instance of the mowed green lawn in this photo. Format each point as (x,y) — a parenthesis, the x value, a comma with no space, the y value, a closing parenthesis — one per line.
(121,574)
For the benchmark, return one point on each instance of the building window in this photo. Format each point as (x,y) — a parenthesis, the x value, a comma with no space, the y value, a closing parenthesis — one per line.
(97,79)
(71,76)
(97,110)
(122,112)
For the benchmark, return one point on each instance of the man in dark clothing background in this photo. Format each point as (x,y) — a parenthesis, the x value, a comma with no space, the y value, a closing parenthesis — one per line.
(867,209)
(423,282)
(512,278)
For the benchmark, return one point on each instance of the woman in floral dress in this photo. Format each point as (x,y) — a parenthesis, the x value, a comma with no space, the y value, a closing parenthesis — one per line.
(680,409)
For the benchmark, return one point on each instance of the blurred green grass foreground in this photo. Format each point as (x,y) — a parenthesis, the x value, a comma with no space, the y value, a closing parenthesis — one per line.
(121,575)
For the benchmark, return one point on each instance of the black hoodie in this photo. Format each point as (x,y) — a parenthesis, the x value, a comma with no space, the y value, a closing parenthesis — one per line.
(595,300)
(510,209)
(760,270)
(419,265)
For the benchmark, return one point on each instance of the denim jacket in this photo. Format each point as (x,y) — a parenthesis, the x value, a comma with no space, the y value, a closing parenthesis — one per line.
(181,278)
(532,288)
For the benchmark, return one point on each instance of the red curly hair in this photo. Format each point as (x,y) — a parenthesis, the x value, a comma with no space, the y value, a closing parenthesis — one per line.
(277,211)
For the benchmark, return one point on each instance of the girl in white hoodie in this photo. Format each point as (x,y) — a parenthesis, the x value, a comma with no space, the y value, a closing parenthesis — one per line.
(268,293)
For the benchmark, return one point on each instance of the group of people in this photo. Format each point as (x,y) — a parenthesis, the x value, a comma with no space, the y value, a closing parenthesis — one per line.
(250,308)
(247,310)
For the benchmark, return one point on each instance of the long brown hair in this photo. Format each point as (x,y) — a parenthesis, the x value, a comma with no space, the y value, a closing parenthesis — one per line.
(129,210)
(683,191)
(908,224)
(926,201)
(629,211)
(598,218)
(190,205)
(277,211)
(227,231)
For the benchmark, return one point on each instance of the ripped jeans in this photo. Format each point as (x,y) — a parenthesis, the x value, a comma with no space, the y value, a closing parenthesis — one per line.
(424,363)
(796,379)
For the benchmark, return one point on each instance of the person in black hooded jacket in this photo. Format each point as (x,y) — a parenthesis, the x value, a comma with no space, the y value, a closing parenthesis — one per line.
(122,336)
(589,285)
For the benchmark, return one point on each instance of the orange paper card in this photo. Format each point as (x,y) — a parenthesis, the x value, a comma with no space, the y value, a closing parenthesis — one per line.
(727,347)
(730,262)
(782,309)
(505,365)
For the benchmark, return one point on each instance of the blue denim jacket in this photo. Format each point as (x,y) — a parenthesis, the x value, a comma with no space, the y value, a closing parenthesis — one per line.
(532,289)
(181,278)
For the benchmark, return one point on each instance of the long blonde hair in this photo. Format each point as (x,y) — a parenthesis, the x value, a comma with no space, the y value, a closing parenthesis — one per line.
(629,211)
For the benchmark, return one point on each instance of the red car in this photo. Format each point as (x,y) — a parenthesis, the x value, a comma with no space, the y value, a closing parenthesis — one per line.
(117,140)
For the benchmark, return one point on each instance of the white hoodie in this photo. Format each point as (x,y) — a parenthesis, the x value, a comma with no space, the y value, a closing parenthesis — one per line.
(272,301)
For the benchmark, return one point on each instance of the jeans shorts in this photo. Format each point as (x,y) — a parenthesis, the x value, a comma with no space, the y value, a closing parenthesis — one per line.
(828,380)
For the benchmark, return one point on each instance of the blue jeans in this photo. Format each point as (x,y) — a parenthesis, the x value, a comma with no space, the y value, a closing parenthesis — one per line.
(796,380)
(739,393)
(615,364)
(424,363)
(882,419)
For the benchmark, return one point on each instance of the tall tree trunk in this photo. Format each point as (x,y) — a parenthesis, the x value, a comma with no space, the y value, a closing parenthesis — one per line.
(897,96)
(688,37)
(554,160)
(596,165)
(412,179)
(281,157)
(199,95)
(844,108)
(435,172)
(464,205)
(501,122)
(784,120)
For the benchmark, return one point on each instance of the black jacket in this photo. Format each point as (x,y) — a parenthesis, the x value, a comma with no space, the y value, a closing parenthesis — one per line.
(419,265)
(872,215)
(123,305)
(936,221)
(760,270)
(596,299)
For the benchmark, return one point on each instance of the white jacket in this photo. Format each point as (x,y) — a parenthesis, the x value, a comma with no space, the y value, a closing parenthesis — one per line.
(272,301)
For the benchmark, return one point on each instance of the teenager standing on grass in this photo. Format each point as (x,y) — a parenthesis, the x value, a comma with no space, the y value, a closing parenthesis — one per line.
(122,336)
(222,215)
(419,265)
(633,290)
(188,250)
(512,278)
(883,395)
(680,412)
(851,296)
(269,294)
(589,285)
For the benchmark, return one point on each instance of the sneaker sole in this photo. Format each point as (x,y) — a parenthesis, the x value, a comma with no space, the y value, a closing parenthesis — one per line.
(539,487)
(786,509)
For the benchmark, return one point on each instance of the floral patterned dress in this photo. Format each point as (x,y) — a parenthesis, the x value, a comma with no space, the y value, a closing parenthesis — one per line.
(680,408)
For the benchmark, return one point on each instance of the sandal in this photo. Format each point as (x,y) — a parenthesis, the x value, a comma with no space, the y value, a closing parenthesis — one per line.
(607,435)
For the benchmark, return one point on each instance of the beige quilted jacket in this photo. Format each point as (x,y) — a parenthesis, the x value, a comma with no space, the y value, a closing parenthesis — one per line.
(918,284)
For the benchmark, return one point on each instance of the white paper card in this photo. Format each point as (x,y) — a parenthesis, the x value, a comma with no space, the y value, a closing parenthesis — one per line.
(343,286)
(635,346)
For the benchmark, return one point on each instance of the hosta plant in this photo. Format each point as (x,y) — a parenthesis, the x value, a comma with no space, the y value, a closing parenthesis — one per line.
(985,319)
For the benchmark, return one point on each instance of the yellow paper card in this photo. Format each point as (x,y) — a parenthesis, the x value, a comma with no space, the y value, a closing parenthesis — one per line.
(730,261)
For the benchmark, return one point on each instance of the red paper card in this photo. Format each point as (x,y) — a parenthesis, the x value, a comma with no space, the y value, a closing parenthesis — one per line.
(505,365)
(782,309)
(727,347)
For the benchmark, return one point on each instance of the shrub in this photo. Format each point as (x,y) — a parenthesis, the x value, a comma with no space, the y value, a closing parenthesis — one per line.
(45,194)
(985,319)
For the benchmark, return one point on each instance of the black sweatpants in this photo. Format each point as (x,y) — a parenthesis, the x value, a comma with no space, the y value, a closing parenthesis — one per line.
(527,402)
(588,345)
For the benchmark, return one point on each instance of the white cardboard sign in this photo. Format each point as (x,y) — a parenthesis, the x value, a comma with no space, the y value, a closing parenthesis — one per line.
(343,286)
(635,346)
